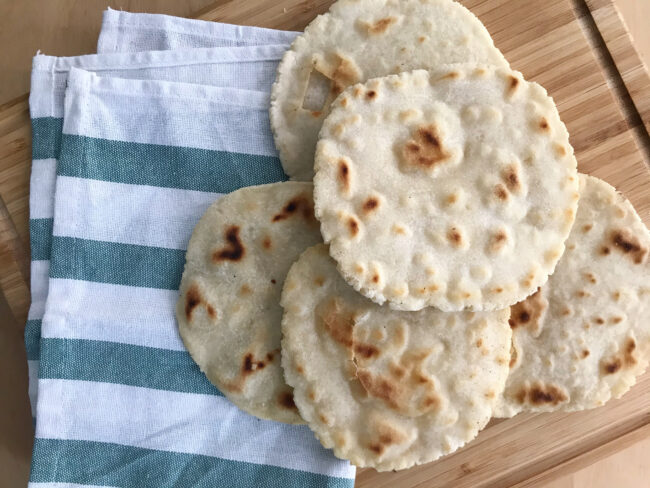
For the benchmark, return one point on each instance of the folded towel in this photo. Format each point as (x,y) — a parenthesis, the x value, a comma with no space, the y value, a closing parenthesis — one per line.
(121,403)
(246,67)
(130,32)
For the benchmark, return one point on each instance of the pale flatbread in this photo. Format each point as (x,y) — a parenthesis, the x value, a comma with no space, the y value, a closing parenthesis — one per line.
(585,336)
(358,40)
(229,310)
(454,189)
(383,388)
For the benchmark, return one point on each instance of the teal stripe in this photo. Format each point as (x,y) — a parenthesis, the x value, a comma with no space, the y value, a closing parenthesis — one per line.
(102,463)
(165,166)
(33,338)
(40,238)
(125,364)
(119,264)
(46,137)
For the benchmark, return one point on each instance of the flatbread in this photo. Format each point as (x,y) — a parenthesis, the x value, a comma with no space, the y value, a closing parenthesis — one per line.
(383,388)
(229,310)
(358,40)
(454,189)
(585,336)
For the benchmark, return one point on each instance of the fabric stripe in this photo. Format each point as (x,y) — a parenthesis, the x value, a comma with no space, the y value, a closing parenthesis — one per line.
(148,367)
(33,338)
(40,238)
(117,465)
(41,188)
(119,264)
(39,284)
(46,137)
(207,425)
(93,311)
(32,387)
(65,485)
(166,166)
(129,214)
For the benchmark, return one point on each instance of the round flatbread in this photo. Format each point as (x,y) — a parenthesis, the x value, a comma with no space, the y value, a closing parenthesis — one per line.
(454,189)
(229,312)
(383,388)
(585,336)
(358,40)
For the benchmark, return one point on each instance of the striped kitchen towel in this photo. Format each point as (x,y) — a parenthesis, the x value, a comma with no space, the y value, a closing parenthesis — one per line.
(131,32)
(245,67)
(121,403)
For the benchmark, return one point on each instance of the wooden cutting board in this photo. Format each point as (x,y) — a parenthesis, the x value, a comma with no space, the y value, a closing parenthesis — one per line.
(581,52)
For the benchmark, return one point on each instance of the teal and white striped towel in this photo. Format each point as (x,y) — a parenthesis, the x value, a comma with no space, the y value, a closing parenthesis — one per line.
(121,403)
(246,67)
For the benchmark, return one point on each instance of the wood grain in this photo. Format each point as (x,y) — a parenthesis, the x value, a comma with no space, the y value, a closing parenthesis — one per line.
(583,59)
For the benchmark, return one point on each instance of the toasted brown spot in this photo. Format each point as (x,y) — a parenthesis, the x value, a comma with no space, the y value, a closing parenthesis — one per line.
(541,394)
(344,102)
(605,250)
(599,320)
(498,290)
(273,281)
(311,395)
(343,175)
(591,278)
(616,295)
(300,204)
(510,177)
(421,39)
(624,359)
(452,75)
(245,290)
(543,125)
(285,400)
(529,312)
(323,418)
(490,394)
(583,294)
(629,244)
(353,226)
(566,311)
(425,150)
(370,205)
(513,83)
(379,26)
(513,355)
(300,369)
(398,229)
(501,192)
(497,241)
(338,322)
(479,343)
(587,227)
(366,351)
(616,320)
(192,300)
(234,250)
(346,73)
(266,242)
(560,150)
(585,353)
(249,366)
(319,281)
(451,198)
(371,94)
(454,237)
(375,278)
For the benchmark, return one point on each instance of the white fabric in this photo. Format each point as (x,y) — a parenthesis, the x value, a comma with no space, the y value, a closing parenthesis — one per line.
(199,427)
(131,32)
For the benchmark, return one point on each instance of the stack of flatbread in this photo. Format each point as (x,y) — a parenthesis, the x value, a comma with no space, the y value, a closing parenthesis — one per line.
(437,259)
